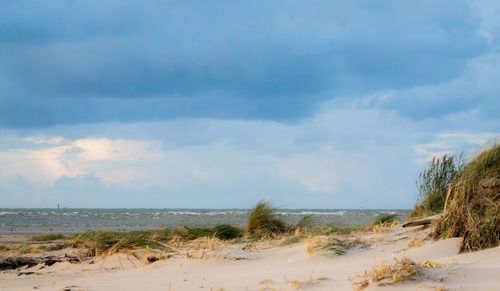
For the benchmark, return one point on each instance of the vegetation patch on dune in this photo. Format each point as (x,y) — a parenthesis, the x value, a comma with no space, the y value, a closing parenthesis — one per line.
(264,225)
(401,271)
(472,205)
(47,237)
(263,221)
(433,184)
(386,218)
(109,242)
(325,245)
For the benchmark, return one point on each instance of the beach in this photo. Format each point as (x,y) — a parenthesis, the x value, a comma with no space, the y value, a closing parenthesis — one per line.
(249,145)
(269,265)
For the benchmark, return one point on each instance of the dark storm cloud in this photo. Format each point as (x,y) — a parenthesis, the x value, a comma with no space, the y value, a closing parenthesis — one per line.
(90,61)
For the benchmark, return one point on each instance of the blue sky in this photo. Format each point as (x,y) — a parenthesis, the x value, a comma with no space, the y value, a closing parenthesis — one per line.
(325,104)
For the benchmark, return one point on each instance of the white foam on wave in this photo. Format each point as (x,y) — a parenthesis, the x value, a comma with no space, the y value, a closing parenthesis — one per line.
(336,213)
(211,213)
(2,213)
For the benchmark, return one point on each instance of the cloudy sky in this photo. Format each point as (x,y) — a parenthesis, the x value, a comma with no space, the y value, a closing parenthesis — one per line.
(203,104)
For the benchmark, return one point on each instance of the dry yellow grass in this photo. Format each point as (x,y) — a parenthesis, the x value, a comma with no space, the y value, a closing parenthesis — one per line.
(326,245)
(401,271)
(296,284)
(416,242)
(430,265)
(313,279)
(472,205)
(20,249)
(381,227)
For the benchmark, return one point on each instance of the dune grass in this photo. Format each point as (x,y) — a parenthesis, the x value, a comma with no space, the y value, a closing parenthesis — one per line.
(109,242)
(19,249)
(472,205)
(324,245)
(264,222)
(227,232)
(433,184)
(334,230)
(401,271)
(221,231)
(385,218)
(47,237)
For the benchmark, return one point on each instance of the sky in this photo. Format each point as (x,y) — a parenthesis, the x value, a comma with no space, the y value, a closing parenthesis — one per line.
(202,104)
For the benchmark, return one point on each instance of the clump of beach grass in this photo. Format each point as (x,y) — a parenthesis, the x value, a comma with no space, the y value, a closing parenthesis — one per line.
(335,230)
(433,184)
(19,249)
(109,242)
(227,232)
(306,222)
(416,242)
(386,218)
(264,222)
(24,248)
(47,237)
(402,270)
(472,205)
(326,245)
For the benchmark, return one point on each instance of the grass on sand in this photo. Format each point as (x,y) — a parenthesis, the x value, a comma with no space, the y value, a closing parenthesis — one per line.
(401,271)
(433,184)
(472,205)
(47,237)
(264,222)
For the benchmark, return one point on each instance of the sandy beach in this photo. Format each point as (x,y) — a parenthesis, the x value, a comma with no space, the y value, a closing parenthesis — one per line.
(249,145)
(268,266)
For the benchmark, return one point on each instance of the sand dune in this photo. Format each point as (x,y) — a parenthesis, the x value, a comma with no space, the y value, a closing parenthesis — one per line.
(278,268)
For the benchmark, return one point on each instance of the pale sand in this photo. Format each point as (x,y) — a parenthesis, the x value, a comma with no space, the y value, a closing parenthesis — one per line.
(274,269)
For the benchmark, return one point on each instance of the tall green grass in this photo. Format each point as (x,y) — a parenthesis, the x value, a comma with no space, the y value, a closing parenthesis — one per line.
(263,221)
(433,184)
(473,203)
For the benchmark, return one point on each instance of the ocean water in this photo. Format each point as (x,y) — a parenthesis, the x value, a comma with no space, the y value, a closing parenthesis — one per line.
(77,220)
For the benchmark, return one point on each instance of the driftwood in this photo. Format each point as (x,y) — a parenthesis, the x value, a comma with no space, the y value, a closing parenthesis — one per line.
(17,262)
(419,222)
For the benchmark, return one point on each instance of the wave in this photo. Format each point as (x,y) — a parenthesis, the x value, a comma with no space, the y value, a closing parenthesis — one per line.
(2,213)
(337,213)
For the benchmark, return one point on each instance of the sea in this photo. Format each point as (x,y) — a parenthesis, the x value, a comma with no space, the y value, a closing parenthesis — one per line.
(78,220)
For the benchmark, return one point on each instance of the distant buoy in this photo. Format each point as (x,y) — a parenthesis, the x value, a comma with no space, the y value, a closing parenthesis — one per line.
(58,208)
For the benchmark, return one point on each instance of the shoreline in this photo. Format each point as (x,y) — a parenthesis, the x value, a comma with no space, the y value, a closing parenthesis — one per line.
(38,221)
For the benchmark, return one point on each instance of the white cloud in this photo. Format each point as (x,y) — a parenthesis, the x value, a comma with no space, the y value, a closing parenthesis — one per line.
(350,156)
(80,157)
(43,140)
(453,143)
